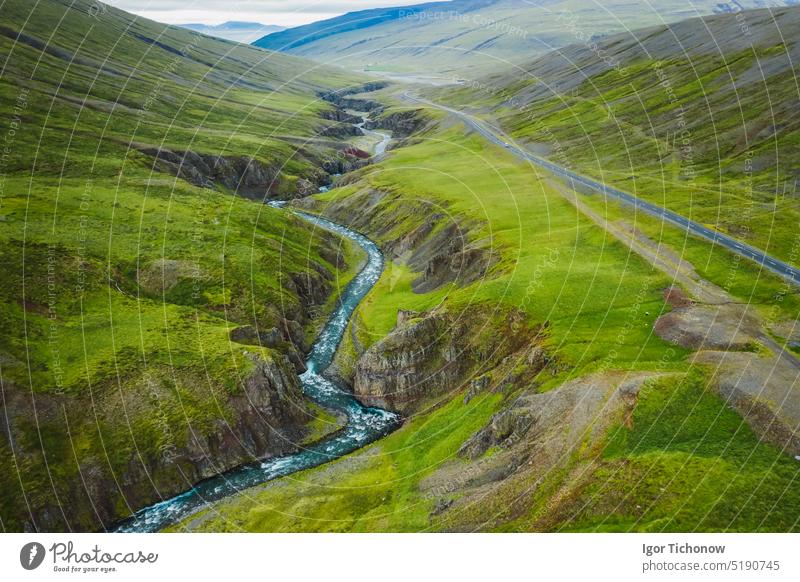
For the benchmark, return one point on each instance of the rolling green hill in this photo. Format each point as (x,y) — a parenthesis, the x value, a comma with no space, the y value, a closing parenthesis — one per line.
(131,250)
(460,37)
(565,363)
(517,335)
(697,117)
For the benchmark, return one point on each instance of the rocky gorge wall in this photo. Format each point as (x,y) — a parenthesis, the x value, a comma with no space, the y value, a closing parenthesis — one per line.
(312,163)
(264,416)
(135,432)
(430,357)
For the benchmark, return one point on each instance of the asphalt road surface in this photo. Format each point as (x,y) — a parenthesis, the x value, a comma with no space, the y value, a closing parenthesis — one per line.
(776,266)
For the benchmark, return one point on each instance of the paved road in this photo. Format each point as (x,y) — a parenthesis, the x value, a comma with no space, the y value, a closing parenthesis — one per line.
(776,266)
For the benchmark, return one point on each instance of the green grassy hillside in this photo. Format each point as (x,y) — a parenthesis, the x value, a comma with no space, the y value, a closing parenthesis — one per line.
(656,465)
(121,281)
(464,36)
(697,117)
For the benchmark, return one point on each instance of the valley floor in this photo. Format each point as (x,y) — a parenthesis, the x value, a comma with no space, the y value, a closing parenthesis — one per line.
(593,381)
(560,361)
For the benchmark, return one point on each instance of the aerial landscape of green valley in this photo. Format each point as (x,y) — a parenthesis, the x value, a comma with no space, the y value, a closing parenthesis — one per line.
(465,266)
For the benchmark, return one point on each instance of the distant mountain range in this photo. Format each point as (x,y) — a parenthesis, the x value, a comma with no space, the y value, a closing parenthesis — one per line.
(461,36)
(245,32)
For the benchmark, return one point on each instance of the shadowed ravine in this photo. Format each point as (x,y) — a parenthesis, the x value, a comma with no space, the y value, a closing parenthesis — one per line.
(364,425)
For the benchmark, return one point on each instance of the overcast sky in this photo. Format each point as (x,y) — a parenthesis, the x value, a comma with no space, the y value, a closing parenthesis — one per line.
(283,12)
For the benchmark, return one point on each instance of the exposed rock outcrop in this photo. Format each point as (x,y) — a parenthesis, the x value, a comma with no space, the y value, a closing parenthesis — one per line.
(441,247)
(253,179)
(417,360)
(265,416)
(289,339)
(447,255)
(312,287)
(345,160)
(249,335)
(147,430)
(400,123)
(341,130)
(341,116)
(346,124)
(343,100)
(534,438)
(438,354)
(245,175)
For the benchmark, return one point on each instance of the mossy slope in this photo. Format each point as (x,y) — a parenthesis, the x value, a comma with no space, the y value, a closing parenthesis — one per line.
(121,283)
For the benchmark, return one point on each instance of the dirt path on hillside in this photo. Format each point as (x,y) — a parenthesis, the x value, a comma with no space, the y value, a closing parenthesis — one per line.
(658,255)
(753,372)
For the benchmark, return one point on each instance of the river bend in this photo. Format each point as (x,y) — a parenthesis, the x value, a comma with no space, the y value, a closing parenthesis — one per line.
(364,424)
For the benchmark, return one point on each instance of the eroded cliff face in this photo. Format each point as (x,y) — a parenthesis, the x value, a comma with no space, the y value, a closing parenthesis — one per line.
(428,355)
(539,440)
(245,175)
(254,179)
(264,415)
(440,247)
(136,431)
(433,356)
(343,98)
(419,359)
(314,161)
(402,123)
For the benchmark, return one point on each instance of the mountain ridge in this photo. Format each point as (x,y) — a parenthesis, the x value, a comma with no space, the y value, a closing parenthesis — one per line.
(724,82)
(465,35)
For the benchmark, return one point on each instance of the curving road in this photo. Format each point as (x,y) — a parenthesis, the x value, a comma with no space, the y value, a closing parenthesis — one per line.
(758,256)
